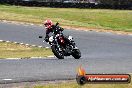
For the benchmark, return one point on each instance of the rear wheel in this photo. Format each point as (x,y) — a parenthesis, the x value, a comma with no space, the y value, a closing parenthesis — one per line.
(57,53)
(76,53)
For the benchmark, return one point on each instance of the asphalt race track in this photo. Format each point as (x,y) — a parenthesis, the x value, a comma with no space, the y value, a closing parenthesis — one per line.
(101,53)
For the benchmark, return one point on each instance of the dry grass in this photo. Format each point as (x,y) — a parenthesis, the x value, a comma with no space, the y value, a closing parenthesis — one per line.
(87,18)
(75,85)
(11,50)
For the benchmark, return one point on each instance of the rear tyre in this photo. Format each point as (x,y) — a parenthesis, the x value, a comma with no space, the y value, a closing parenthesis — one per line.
(76,53)
(57,53)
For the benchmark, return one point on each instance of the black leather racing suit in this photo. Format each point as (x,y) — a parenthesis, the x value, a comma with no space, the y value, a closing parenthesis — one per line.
(53,27)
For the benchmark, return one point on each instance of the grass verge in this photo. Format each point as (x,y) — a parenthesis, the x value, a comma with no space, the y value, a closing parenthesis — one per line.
(75,85)
(118,20)
(11,50)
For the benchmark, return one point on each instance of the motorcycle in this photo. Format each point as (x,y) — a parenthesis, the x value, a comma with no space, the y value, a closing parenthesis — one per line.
(63,46)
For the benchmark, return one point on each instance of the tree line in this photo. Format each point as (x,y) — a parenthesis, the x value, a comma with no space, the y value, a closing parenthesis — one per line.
(116,4)
(104,4)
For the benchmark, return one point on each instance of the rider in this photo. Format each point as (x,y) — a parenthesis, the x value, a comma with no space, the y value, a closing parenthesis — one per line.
(49,26)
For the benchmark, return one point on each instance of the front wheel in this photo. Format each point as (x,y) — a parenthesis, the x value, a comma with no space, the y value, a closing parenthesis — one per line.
(57,53)
(76,53)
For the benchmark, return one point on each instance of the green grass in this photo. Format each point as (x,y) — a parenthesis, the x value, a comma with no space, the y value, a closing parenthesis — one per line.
(88,18)
(11,50)
(75,85)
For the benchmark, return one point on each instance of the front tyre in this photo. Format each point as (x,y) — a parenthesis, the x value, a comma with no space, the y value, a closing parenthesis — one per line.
(57,53)
(76,53)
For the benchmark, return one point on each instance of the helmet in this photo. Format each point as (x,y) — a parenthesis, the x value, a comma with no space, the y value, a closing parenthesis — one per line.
(48,24)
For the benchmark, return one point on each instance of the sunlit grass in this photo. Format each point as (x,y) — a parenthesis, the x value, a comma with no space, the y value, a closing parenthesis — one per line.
(88,18)
(75,85)
(11,50)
